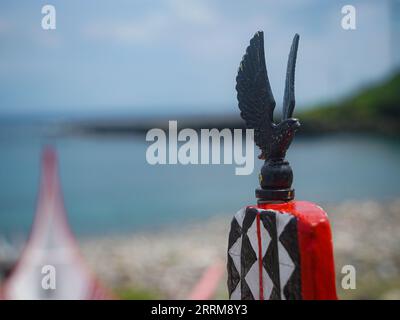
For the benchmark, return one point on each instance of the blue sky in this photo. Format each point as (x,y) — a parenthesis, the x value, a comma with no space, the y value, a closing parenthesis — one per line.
(181,55)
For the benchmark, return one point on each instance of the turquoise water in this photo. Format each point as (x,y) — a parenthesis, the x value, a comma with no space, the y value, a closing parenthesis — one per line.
(109,187)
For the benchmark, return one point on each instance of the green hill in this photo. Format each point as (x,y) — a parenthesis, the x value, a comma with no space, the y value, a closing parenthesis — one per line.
(375,109)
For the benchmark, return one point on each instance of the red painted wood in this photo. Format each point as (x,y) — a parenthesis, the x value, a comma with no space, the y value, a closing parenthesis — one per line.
(260,263)
(316,248)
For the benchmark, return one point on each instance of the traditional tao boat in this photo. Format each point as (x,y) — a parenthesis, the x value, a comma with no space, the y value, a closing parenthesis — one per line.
(51,266)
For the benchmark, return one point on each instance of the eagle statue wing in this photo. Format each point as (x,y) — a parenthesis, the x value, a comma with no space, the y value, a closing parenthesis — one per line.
(288,97)
(256,101)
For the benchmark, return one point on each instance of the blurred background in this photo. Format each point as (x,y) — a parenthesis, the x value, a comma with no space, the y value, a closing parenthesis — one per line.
(110,71)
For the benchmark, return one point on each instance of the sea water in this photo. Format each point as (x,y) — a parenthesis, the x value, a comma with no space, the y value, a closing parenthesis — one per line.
(109,187)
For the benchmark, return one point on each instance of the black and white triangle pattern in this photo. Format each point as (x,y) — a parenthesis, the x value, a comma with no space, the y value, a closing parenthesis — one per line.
(279,254)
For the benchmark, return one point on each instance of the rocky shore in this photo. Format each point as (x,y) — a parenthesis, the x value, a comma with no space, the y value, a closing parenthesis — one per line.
(168,263)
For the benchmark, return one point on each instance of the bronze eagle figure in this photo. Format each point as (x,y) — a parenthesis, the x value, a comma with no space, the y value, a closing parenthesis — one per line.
(257,104)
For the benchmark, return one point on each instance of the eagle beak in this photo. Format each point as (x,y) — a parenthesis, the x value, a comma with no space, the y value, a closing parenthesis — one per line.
(296,123)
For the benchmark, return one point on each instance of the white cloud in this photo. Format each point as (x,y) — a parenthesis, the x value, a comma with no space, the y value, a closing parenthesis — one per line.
(5,25)
(193,12)
(140,31)
(176,17)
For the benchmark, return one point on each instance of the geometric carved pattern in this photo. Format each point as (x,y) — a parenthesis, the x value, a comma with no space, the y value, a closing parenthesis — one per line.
(279,260)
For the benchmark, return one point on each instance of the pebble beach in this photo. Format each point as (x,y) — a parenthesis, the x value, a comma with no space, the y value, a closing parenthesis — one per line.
(167,264)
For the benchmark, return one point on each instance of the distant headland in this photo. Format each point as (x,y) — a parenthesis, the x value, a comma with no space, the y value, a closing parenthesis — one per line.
(372,110)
